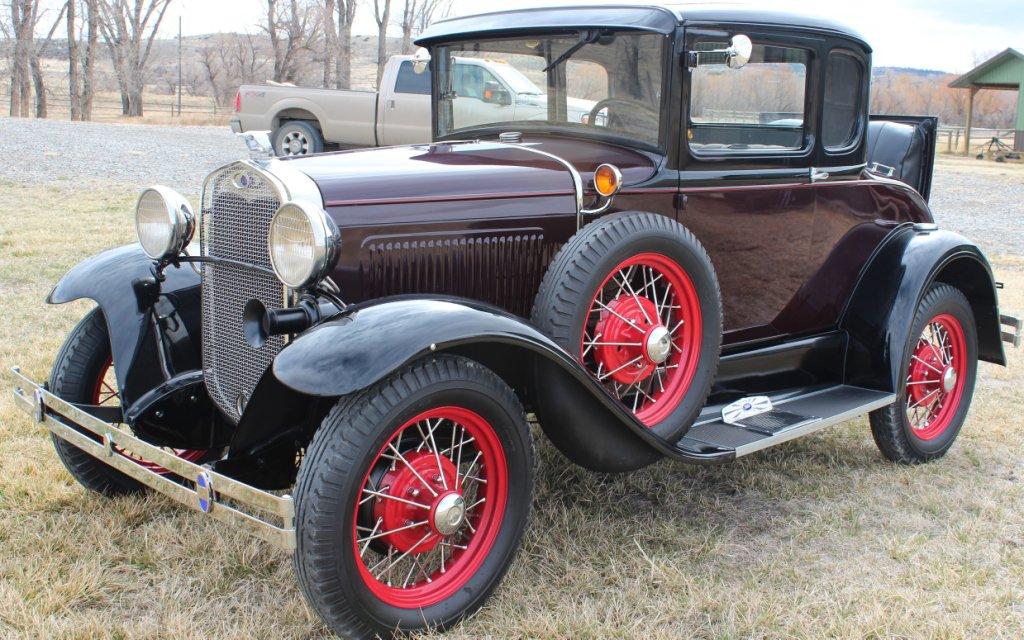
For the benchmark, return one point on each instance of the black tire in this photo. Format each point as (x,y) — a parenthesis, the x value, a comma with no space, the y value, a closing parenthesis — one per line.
(565,298)
(306,136)
(890,426)
(344,453)
(80,362)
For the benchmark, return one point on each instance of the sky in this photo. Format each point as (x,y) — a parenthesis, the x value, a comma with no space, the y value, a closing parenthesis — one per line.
(945,35)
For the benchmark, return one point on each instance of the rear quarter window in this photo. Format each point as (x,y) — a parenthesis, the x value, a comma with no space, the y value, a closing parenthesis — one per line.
(844,77)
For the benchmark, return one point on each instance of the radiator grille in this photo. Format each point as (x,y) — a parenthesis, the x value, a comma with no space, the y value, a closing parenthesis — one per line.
(238,204)
(500,267)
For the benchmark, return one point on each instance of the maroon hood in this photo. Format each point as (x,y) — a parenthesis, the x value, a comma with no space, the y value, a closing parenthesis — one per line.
(446,171)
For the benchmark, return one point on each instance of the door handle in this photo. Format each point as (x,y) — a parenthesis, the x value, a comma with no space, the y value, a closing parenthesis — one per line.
(817,175)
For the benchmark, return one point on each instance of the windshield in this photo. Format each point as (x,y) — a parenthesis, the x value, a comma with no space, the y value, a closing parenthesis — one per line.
(600,83)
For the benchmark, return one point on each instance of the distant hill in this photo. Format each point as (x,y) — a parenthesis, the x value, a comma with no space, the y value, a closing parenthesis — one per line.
(922,73)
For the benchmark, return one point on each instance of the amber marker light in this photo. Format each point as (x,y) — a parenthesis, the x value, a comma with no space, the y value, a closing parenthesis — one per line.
(607,180)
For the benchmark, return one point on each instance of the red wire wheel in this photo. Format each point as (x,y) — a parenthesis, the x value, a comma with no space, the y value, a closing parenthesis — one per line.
(642,335)
(935,377)
(430,507)
(105,394)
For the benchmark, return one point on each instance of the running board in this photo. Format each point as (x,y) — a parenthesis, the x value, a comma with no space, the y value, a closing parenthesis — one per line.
(790,418)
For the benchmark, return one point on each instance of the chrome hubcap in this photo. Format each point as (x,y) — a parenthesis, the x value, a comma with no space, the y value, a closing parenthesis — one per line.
(449,514)
(658,344)
(949,377)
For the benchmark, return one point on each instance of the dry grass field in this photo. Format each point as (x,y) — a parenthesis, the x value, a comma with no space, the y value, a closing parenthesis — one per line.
(817,538)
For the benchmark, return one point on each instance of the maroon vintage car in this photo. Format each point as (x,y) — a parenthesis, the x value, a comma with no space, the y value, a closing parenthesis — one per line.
(722,253)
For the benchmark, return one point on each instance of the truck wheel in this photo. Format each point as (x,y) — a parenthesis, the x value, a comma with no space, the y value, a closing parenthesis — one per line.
(635,298)
(83,374)
(941,363)
(297,138)
(412,499)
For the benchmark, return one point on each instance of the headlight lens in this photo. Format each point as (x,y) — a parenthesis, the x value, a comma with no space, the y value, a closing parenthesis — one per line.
(303,244)
(164,222)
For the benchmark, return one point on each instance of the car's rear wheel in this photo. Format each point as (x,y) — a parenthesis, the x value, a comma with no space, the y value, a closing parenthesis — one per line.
(83,374)
(940,365)
(297,138)
(634,297)
(412,499)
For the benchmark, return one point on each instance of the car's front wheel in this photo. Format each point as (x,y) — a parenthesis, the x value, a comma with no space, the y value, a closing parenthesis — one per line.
(412,499)
(84,374)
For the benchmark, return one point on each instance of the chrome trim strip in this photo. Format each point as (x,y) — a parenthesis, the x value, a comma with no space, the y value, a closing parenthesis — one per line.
(223,503)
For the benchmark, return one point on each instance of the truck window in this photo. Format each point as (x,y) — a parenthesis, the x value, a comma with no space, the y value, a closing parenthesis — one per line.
(471,80)
(844,78)
(759,106)
(413,78)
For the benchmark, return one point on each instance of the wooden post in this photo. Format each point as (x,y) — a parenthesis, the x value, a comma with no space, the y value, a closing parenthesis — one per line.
(956,145)
(970,115)
(949,141)
(1018,134)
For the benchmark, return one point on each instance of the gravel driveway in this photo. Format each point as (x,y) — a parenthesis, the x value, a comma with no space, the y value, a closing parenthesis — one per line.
(132,155)
(982,200)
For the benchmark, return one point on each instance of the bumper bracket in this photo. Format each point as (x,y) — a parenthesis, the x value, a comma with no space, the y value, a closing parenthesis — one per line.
(257,512)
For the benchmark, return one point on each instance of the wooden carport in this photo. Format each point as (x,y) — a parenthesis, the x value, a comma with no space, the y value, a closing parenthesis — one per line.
(1004,71)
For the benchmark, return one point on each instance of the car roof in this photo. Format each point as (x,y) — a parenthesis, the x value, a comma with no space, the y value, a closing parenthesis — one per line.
(657,18)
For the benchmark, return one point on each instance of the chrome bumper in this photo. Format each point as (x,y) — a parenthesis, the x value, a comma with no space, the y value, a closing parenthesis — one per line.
(1013,336)
(256,512)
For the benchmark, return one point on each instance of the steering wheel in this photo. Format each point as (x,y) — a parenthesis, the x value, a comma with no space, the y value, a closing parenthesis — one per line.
(606,103)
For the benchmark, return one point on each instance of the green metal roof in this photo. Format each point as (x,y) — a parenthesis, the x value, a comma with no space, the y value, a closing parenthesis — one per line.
(1002,71)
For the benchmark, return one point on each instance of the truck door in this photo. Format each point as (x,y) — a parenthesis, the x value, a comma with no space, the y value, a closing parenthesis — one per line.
(404,116)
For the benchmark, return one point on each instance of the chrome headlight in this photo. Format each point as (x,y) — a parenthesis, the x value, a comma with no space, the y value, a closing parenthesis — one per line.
(303,244)
(164,222)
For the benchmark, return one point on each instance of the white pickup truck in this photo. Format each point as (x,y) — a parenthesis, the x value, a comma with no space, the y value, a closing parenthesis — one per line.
(303,121)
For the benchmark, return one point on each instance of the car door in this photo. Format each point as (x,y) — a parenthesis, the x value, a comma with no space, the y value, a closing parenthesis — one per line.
(405,112)
(745,180)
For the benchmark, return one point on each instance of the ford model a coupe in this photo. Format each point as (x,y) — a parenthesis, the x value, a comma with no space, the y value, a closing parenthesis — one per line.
(724,253)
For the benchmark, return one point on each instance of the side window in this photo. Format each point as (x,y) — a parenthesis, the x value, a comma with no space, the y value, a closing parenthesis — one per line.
(413,78)
(844,77)
(758,106)
(471,80)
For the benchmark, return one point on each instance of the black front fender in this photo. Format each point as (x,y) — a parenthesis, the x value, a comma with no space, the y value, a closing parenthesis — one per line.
(107,278)
(879,316)
(366,343)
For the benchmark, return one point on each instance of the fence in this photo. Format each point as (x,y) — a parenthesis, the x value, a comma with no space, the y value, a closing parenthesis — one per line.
(105,107)
(951,139)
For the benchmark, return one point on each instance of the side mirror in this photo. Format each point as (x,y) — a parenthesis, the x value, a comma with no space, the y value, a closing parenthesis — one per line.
(737,54)
(496,94)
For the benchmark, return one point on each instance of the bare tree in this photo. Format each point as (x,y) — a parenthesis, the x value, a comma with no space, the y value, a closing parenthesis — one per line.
(292,27)
(82,43)
(36,53)
(382,14)
(129,28)
(417,16)
(330,42)
(346,14)
(22,21)
(229,63)
(74,81)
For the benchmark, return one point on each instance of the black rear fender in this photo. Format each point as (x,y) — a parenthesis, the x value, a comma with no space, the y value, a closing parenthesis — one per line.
(890,289)
(109,279)
(368,342)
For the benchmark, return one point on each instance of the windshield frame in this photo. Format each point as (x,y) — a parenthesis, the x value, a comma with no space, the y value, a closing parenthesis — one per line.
(661,146)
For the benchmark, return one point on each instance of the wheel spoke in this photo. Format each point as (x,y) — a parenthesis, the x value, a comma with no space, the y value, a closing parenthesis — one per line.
(620,368)
(412,469)
(388,496)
